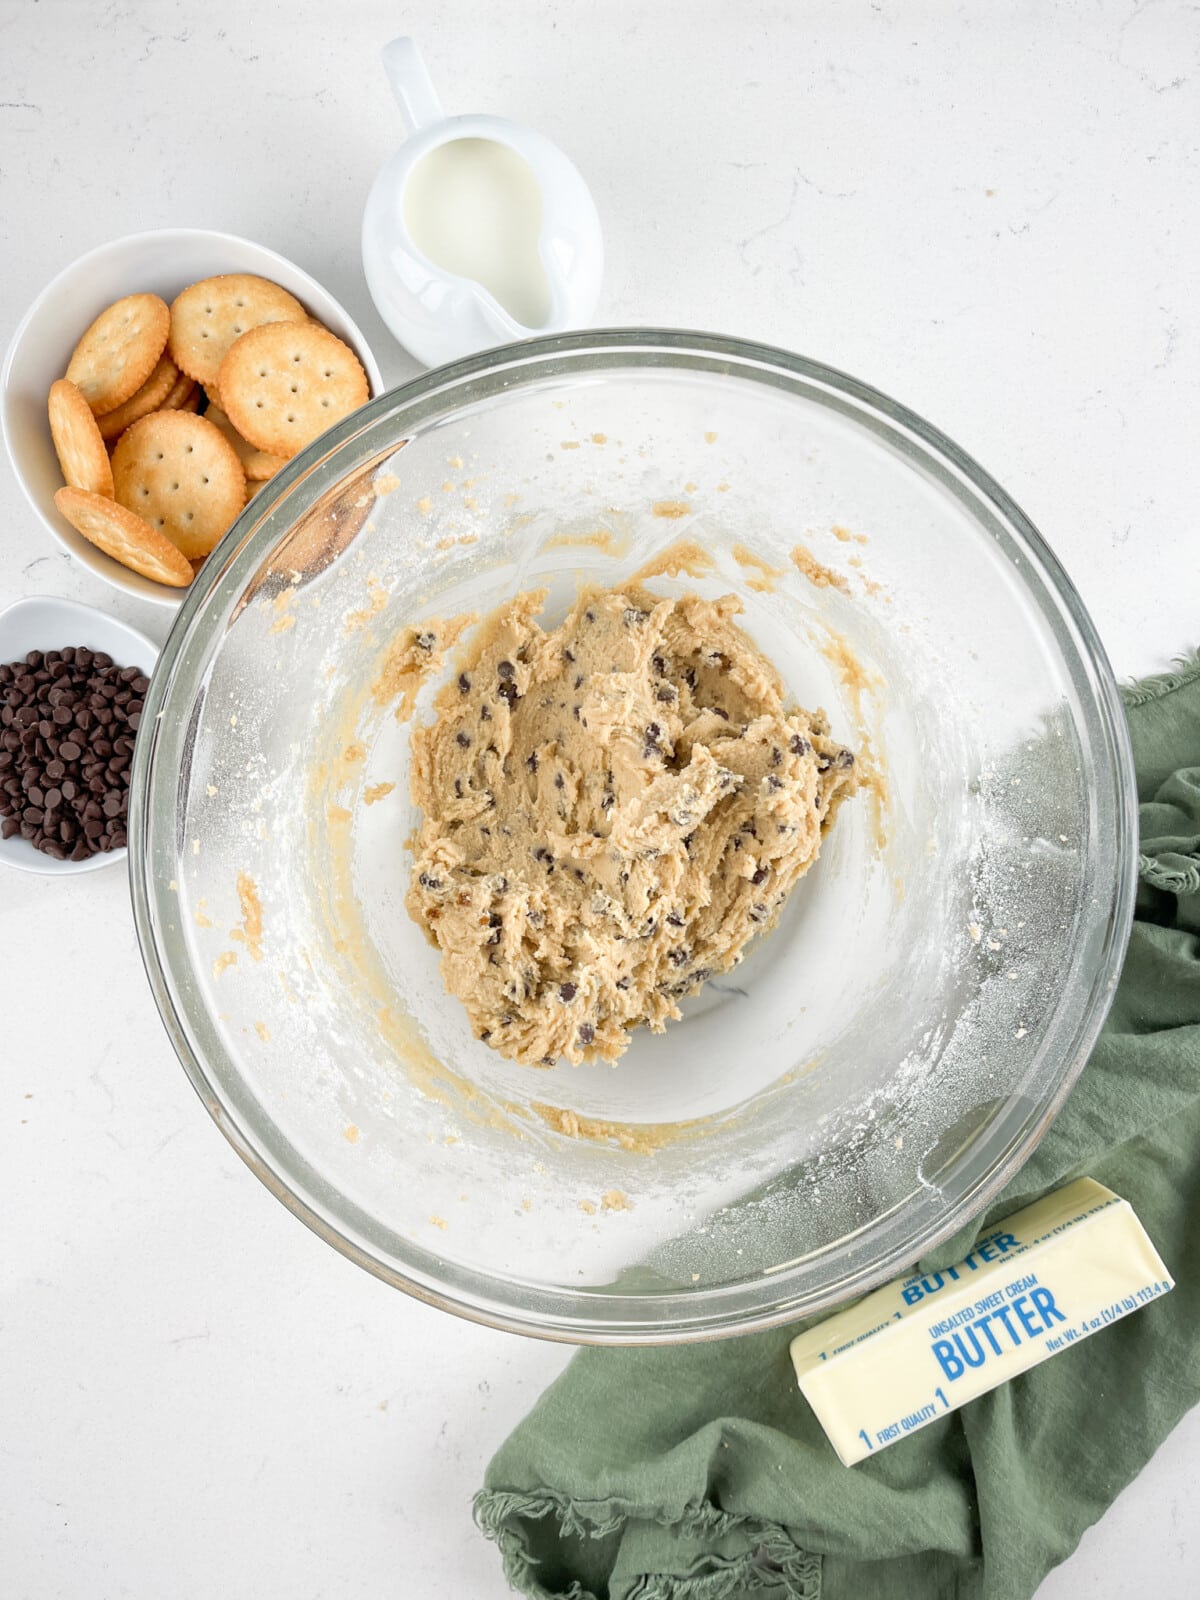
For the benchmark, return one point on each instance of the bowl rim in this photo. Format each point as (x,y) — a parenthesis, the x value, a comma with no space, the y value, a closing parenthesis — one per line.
(662,1317)
(35,864)
(168,598)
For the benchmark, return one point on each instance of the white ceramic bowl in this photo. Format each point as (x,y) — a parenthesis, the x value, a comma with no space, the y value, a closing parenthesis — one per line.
(163,262)
(46,623)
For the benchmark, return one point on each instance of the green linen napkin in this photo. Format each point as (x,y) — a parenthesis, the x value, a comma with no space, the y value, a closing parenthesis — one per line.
(699,1473)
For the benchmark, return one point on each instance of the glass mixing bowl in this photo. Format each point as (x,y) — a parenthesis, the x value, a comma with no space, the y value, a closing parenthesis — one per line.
(882,1061)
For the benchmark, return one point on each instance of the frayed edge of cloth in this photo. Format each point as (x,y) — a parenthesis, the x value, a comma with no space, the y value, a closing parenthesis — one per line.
(1174,880)
(1143,690)
(775,1560)
(775,1565)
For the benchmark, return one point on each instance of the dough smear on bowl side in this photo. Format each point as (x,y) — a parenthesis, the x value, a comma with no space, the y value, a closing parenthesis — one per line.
(611,811)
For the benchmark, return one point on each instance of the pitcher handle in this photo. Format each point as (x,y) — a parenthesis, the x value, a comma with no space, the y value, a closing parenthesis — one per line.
(412,86)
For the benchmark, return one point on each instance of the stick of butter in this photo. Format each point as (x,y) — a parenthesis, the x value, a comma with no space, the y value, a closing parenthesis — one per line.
(1043,1279)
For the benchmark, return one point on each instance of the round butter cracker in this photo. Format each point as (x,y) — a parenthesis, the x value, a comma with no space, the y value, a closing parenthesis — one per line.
(178,473)
(124,536)
(152,396)
(256,464)
(210,315)
(119,351)
(184,395)
(81,453)
(283,384)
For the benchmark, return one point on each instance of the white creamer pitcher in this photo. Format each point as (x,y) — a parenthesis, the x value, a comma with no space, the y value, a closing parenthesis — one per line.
(478,231)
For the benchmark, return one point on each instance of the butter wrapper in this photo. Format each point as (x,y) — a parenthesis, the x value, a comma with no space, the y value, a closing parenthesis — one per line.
(1040,1281)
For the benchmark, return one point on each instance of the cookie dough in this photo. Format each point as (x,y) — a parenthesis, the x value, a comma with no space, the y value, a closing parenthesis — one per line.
(610,813)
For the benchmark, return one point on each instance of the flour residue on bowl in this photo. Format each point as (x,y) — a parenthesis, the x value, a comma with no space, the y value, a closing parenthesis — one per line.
(642,1138)
(685,555)
(766,573)
(250,930)
(817,573)
(606,540)
(377,602)
(863,688)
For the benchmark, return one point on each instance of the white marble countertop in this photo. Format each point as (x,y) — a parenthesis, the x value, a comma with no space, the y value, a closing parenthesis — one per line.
(991,212)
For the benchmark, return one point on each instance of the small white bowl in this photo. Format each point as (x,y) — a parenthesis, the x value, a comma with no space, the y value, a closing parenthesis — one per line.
(163,262)
(46,623)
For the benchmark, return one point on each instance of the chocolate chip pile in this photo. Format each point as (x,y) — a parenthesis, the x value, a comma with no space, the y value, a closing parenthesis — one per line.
(67,725)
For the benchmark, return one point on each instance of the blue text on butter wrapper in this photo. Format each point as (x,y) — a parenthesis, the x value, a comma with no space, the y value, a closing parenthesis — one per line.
(987,1250)
(996,1332)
